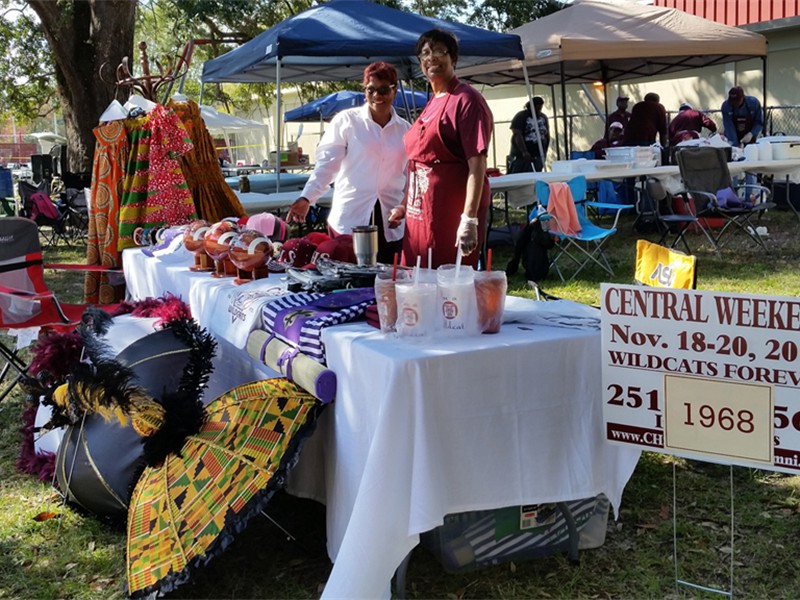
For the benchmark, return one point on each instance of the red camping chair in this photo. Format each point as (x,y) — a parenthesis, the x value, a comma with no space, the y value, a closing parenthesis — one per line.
(25,299)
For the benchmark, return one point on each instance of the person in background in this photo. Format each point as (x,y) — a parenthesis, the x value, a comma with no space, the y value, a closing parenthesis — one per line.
(448,194)
(648,123)
(615,133)
(362,154)
(742,117)
(622,115)
(525,134)
(688,124)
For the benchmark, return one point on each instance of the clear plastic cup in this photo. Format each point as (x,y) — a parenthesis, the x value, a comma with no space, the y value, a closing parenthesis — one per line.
(386,298)
(490,292)
(416,309)
(458,312)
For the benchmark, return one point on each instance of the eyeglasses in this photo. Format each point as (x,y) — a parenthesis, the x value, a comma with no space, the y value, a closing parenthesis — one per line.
(428,54)
(383,90)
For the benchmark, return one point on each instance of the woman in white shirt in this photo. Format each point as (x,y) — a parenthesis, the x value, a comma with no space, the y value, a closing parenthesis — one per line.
(362,154)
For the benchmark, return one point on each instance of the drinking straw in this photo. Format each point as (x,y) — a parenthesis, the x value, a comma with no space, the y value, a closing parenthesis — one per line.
(416,270)
(394,267)
(430,258)
(489,260)
(458,261)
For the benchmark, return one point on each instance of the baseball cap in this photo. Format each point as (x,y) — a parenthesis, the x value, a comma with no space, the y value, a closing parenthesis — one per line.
(616,125)
(268,224)
(317,237)
(622,98)
(339,248)
(684,105)
(736,92)
(296,252)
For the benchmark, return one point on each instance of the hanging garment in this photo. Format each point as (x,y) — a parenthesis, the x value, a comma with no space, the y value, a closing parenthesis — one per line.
(108,174)
(213,198)
(155,193)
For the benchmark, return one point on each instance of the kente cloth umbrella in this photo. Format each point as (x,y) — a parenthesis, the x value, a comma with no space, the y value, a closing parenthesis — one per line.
(186,510)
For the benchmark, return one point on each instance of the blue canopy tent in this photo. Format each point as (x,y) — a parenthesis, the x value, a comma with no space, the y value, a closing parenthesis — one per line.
(334,41)
(326,107)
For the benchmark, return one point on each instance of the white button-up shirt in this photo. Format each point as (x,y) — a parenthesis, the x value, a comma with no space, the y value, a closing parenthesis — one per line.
(365,162)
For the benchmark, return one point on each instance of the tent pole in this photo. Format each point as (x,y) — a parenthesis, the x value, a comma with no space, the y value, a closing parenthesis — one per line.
(278,125)
(555,120)
(564,109)
(764,89)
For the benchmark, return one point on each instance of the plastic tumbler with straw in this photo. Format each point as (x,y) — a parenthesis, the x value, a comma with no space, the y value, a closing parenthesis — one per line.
(385,296)
(490,292)
(416,307)
(457,301)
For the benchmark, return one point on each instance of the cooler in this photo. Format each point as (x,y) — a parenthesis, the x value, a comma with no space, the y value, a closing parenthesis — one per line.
(782,199)
(473,540)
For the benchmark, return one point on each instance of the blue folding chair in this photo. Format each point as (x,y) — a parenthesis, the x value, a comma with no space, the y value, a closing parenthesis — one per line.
(585,247)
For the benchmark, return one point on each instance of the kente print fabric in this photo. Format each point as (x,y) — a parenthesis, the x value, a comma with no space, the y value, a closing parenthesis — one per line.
(186,511)
(108,174)
(155,193)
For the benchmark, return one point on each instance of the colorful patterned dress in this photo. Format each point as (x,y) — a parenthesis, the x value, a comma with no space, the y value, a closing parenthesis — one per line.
(155,193)
(213,197)
(108,174)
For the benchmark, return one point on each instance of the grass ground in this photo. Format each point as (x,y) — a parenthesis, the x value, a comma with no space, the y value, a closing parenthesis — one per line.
(77,557)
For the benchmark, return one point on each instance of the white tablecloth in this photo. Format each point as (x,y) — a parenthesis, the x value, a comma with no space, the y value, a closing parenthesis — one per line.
(420,431)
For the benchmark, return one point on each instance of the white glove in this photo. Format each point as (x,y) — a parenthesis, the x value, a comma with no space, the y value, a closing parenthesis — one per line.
(467,235)
(396,216)
(747,138)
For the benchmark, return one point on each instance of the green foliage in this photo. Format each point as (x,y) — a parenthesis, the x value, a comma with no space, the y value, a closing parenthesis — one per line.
(502,15)
(26,85)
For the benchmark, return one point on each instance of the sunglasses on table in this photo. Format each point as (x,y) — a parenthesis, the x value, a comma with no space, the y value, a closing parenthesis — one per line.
(382,90)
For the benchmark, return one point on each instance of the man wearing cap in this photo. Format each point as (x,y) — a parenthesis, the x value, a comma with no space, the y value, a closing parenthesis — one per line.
(614,138)
(688,124)
(622,115)
(742,117)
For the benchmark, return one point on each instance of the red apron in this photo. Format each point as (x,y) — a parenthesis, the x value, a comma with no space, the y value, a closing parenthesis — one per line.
(437,188)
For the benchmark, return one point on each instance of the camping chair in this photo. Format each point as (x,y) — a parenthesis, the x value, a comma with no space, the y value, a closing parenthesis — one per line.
(704,171)
(659,266)
(37,206)
(603,190)
(25,300)
(654,199)
(583,247)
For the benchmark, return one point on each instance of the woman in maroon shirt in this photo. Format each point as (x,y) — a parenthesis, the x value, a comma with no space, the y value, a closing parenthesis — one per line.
(448,195)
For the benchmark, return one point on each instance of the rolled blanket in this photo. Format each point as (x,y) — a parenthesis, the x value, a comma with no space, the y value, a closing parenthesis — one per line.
(306,372)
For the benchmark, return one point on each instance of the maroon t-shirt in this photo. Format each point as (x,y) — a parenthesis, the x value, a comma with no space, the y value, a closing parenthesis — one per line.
(648,123)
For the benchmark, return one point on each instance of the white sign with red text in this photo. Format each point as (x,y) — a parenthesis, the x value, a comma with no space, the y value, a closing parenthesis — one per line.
(709,375)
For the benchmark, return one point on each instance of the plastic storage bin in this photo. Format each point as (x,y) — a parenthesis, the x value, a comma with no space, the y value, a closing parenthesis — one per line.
(473,540)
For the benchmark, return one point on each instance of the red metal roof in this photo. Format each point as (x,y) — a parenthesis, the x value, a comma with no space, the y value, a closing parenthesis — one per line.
(736,12)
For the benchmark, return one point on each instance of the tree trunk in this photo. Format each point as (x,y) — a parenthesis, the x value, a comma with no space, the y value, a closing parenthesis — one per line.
(83,35)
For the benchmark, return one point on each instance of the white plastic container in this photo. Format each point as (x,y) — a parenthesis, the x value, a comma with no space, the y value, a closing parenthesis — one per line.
(764,150)
(751,152)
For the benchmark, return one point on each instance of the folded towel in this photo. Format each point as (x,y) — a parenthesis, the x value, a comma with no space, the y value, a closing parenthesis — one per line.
(558,313)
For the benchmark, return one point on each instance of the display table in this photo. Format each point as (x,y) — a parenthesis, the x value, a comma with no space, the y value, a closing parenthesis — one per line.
(521,187)
(420,431)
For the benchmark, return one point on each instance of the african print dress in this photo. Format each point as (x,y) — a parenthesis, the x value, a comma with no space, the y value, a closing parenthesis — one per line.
(214,199)
(155,193)
(108,174)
